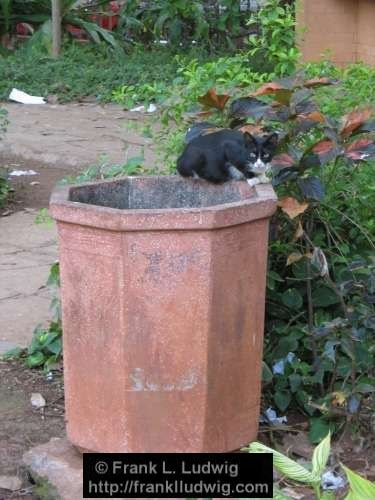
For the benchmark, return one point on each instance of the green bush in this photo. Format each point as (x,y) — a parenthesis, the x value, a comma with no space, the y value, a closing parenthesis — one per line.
(92,70)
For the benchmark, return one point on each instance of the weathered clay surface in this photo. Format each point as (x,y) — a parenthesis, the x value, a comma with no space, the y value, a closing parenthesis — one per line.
(163,313)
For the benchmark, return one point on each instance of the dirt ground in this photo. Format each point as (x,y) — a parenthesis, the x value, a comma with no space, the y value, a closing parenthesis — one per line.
(23,426)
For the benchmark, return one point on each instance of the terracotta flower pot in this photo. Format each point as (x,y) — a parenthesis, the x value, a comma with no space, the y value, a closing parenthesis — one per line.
(163,290)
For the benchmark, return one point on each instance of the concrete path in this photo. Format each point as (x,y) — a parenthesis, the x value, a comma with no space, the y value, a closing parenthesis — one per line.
(64,138)
(73,135)
(27,252)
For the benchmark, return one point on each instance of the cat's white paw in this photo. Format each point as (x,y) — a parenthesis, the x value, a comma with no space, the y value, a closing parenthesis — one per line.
(253,182)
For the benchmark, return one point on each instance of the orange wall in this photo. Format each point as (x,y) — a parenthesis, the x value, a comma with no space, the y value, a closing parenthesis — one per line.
(345,28)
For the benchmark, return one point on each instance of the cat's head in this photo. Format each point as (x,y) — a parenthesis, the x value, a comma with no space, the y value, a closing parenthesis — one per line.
(260,151)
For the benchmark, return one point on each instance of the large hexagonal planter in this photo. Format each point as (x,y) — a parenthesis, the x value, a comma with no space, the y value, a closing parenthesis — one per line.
(163,291)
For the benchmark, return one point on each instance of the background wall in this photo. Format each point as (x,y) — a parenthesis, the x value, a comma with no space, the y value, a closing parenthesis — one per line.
(345,28)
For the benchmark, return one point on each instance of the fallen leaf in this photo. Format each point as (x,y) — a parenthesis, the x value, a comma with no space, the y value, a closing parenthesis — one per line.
(37,400)
(319,261)
(292,207)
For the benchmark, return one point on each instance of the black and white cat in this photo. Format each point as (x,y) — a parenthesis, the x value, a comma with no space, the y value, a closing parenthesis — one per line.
(228,154)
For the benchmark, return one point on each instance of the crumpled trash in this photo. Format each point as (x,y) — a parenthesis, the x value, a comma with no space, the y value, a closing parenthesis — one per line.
(23,98)
(332,481)
(270,417)
(279,367)
(142,109)
(19,173)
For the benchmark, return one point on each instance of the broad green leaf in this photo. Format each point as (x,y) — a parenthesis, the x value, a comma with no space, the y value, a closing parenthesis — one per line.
(295,381)
(324,297)
(285,465)
(321,454)
(282,399)
(35,359)
(55,347)
(319,428)
(292,298)
(360,488)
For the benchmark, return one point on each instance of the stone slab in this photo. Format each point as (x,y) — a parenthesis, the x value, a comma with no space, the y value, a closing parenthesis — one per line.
(56,467)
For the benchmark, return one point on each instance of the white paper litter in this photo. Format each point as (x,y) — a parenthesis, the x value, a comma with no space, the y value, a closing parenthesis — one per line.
(279,367)
(270,417)
(142,109)
(332,481)
(23,98)
(18,173)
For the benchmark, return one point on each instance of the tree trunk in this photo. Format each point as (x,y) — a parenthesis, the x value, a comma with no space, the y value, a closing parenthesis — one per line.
(56,27)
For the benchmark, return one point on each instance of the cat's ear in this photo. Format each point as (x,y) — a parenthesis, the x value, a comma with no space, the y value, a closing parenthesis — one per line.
(249,139)
(272,140)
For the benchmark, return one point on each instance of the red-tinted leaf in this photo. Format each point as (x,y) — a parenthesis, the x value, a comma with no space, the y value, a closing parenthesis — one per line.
(251,129)
(283,161)
(213,100)
(314,82)
(292,207)
(308,121)
(323,147)
(361,149)
(326,150)
(315,116)
(282,94)
(354,120)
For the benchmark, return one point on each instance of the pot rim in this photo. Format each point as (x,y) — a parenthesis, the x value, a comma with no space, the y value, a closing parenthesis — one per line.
(260,203)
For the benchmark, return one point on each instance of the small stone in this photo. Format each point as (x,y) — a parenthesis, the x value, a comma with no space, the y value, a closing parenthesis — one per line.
(56,461)
(37,400)
(11,483)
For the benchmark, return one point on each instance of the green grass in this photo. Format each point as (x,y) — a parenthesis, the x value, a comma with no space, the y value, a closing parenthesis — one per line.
(86,70)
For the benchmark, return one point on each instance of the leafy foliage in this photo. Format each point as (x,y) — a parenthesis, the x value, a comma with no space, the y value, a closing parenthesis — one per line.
(321,269)
(38,13)
(214,22)
(275,42)
(82,71)
(46,346)
(360,488)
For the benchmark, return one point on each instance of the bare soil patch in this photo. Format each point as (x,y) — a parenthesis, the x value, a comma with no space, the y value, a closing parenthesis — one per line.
(22,425)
